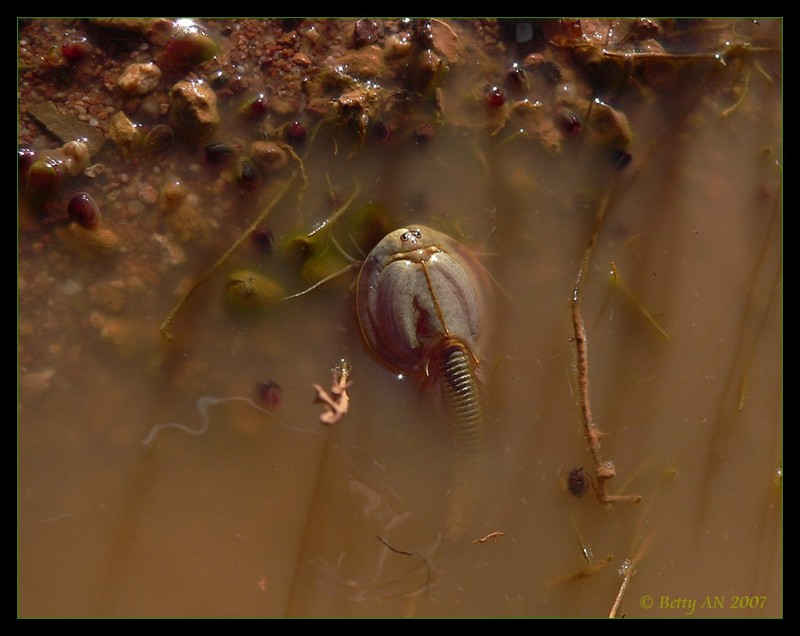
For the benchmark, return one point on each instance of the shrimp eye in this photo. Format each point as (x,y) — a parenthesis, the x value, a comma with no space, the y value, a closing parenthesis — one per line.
(411,235)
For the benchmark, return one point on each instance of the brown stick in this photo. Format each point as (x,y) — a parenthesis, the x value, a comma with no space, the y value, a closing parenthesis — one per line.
(603,468)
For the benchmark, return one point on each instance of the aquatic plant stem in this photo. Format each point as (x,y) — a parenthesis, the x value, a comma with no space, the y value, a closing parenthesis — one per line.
(752,330)
(623,586)
(292,608)
(164,328)
(604,469)
(615,279)
(337,213)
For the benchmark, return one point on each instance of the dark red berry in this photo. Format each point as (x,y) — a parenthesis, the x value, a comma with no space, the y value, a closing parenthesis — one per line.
(75,50)
(568,121)
(263,239)
(268,393)
(495,97)
(83,210)
(296,133)
(254,106)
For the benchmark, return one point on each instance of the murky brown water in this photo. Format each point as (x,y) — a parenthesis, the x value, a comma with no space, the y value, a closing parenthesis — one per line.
(275,514)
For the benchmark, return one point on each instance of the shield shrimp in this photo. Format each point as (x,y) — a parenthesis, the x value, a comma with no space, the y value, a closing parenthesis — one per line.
(423,303)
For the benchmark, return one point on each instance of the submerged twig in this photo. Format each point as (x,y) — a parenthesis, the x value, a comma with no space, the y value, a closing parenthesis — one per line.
(648,316)
(336,213)
(588,570)
(300,166)
(164,328)
(317,494)
(730,109)
(605,469)
(583,573)
(586,549)
(752,329)
(627,571)
(628,567)
(491,535)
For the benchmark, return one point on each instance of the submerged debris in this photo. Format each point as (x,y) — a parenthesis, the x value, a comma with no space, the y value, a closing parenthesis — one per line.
(577,482)
(65,126)
(140,78)
(492,535)
(122,132)
(193,109)
(337,402)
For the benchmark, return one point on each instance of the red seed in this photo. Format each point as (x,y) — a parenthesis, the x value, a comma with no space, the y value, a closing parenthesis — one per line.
(495,97)
(296,133)
(75,50)
(83,209)
(263,239)
(269,393)
(569,122)
(254,106)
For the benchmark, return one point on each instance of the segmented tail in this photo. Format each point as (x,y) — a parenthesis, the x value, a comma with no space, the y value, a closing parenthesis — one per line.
(459,385)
